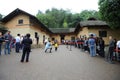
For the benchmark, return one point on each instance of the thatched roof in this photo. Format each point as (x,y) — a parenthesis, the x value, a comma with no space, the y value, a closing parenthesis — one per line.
(92,23)
(62,30)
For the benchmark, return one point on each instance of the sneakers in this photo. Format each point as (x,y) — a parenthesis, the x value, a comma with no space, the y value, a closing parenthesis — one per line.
(27,61)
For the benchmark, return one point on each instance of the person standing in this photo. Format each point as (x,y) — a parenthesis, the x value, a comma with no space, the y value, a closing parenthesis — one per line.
(118,49)
(92,45)
(8,38)
(101,44)
(26,48)
(86,44)
(66,42)
(17,39)
(21,39)
(111,49)
(1,40)
(37,38)
(56,46)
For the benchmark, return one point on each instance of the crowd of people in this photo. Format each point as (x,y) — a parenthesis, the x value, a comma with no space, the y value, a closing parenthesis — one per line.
(19,42)
(96,46)
(22,43)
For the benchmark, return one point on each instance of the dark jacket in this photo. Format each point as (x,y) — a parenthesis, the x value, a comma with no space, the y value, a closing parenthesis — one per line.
(27,43)
(8,37)
(111,43)
(1,40)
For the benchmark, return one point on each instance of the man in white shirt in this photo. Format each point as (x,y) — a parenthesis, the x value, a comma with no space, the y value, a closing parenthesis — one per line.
(118,44)
(118,49)
(18,40)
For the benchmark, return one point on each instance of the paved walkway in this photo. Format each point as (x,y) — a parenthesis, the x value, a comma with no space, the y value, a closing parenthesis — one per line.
(61,65)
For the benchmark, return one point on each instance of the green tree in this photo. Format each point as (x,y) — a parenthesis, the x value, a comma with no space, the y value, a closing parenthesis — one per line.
(110,12)
(85,14)
(1,16)
(65,25)
(74,19)
(55,18)
(3,29)
(52,18)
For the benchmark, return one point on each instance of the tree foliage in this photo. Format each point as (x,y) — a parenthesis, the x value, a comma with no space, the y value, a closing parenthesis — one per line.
(87,14)
(110,12)
(55,18)
(1,16)
(3,29)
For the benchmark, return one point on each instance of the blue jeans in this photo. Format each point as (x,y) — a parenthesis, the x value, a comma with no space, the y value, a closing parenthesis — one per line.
(7,47)
(92,50)
(17,46)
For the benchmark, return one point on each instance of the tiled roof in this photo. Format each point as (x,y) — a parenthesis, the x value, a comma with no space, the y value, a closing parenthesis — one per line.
(17,12)
(92,23)
(88,23)
(62,30)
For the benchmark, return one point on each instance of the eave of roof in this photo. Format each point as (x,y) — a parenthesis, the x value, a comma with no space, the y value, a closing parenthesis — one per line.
(17,12)
(62,30)
(93,23)
(90,23)
(13,14)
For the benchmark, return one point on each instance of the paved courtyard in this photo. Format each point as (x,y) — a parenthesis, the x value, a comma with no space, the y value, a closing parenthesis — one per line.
(61,65)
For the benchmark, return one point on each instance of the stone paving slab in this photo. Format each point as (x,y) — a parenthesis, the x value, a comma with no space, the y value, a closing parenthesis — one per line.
(61,65)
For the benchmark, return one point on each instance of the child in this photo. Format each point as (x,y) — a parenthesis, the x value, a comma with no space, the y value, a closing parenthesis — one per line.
(48,46)
(56,46)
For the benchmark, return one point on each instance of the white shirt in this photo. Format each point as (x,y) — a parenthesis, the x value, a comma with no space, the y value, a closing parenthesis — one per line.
(17,39)
(118,44)
(46,40)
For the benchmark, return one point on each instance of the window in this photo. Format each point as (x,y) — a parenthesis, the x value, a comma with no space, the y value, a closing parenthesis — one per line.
(20,21)
(102,33)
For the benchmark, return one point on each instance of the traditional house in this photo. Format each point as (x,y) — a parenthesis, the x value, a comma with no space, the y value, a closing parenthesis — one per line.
(61,34)
(97,27)
(22,22)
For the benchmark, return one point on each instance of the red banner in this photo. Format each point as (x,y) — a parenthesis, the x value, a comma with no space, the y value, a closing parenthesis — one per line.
(117,50)
(75,42)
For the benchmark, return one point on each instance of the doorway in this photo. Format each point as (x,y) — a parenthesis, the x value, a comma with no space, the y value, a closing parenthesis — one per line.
(62,38)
